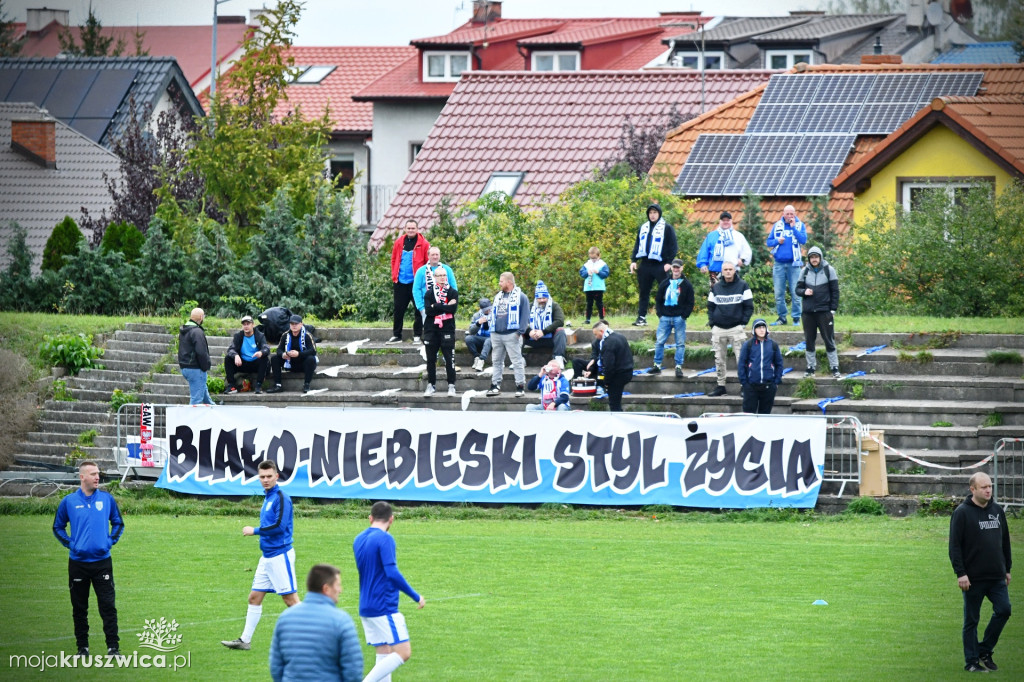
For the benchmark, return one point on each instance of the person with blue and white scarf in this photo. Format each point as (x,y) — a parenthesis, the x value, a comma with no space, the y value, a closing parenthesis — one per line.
(673,303)
(546,324)
(654,249)
(784,240)
(723,245)
(508,322)
(295,353)
(553,387)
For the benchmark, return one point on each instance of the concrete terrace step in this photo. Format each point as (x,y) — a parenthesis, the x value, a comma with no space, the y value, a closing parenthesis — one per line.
(77,405)
(50,438)
(106,463)
(145,337)
(956,438)
(128,365)
(104,426)
(101,385)
(32,450)
(110,375)
(145,327)
(157,347)
(921,412)
(947,458)
(131,355)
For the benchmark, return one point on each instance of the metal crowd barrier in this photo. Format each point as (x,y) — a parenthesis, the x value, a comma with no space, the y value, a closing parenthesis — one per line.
(1008,472)
(844,454)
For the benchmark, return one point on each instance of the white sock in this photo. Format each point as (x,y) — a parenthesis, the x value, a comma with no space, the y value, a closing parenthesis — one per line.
(252,619)
(385,666)
(381,657)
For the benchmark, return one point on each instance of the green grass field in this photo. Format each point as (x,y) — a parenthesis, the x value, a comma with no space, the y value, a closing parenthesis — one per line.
(683,598)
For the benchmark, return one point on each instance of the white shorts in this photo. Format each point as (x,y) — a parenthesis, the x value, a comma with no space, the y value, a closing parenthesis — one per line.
(389,629)
(276,574)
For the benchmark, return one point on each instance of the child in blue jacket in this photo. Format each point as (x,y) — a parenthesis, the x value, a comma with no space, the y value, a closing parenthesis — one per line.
(594,272)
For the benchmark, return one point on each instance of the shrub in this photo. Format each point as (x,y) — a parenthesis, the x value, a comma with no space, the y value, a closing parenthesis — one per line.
(215,385)
(61,392)
(124,238)
(865,505)
(63,242)
(87,439)
(941,424)
(1004,357)
(119,398)
(806,389)
(103,283)
(993,419)
(16,287)
(936,505)
(73,352)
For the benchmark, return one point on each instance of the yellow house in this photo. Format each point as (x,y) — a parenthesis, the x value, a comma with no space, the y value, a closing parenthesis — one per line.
(955,143)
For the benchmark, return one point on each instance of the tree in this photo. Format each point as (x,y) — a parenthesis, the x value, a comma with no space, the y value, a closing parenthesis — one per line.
(63,242)
(640,142)
(759,273)
(16,280)
(9,47)
(244,152)
(125,239)
(819,222)
(94,43)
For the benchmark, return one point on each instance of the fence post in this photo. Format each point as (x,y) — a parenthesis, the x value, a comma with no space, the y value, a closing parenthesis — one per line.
(874,479)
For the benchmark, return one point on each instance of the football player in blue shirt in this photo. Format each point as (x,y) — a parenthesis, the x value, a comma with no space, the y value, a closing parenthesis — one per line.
(276,569)
(379,583)
(96,526)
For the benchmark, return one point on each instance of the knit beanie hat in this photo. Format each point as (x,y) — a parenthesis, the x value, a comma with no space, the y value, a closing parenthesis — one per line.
(541,291)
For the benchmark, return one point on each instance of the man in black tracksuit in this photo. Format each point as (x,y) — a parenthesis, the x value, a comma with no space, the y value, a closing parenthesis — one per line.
(818,286)
(653,251)
(616,361)
(979,549)
(730,305)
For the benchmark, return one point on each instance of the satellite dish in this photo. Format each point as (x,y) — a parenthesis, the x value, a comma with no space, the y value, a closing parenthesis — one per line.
(961,10)
(933,13)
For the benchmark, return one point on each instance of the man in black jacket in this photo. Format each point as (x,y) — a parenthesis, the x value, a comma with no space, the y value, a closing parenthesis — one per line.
(194,358)
(730,305)
(979,549)
(616,361)
(248,352)
(818,286)
(674,303)
(296,353)
(655,247)
(440,302)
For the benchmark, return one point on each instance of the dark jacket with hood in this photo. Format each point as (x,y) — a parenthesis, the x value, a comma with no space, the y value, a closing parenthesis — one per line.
(684,305)
(760,362)
(979,541)
(822,281)
(730,304)
(616,355)
(236,344)
(193,351)
(669,246)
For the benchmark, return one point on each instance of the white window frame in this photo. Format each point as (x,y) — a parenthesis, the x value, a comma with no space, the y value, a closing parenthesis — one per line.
(949,186)
(555,55)
(790,55)
(309,72)
(505,177)
(414,150)
(677,59)
(447,77)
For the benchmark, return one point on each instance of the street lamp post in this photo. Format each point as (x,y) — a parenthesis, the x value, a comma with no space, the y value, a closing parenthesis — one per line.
(213,50)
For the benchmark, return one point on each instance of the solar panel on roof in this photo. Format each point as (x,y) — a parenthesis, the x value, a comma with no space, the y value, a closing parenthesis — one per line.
(106,94)
(891,88)
(777,118)
(702,179)
(760,179)
(952,84)
(783,89)
(808,179)
(843,89)
(827,149)
(33,85)
(93,128)
(7,79)
(769,149)
(710,148)
(69,91)
(882,119)
(829,118)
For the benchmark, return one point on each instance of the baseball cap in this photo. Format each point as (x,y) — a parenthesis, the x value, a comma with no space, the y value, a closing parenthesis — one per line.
(725,214)
(295,319)
(677,261)
(484,303)
(246,318)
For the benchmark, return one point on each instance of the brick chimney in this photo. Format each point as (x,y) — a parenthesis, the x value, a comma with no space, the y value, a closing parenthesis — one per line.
(36,140)
(881,59)
(484,11)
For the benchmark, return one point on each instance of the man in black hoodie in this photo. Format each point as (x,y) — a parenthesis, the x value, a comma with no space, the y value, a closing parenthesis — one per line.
(654,249)
(194,358)
(616,362)
(730,305)
(248,352)
(979,549)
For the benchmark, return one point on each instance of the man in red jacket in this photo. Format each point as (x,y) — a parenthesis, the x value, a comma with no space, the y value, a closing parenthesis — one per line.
(408,255)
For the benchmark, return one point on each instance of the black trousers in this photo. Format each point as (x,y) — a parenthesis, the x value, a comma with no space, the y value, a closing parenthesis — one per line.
(100,575)
(308,366)
(819,322)
(258,366)
(595,298)
(759,398)
(649,274)
(403,297)
(445,342)
(614,384)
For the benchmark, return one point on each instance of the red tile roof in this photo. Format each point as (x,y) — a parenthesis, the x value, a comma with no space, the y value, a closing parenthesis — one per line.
(556,127)
(733,117)
(356,68)
(640,38)
(189,45)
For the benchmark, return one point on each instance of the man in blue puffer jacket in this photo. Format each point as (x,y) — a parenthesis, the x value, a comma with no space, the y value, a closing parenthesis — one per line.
(96,526)
(760,370)
(315,640)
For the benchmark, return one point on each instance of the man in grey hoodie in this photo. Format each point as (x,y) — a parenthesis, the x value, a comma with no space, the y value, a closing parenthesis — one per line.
(818,286)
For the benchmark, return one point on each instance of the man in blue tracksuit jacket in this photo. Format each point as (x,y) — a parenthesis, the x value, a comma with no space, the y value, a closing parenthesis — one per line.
(96,526)
(784,240)
(276,570)
(760,370)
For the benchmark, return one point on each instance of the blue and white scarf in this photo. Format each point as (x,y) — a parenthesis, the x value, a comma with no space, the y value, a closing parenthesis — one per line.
(288,346)
(540,318)
(672,293)
(782,229)
(724,241)
(511,302)
(656,243)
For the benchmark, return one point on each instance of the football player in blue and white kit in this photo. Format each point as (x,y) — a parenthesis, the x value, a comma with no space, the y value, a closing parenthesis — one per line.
(96,526)
(379,583)
(276,570)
